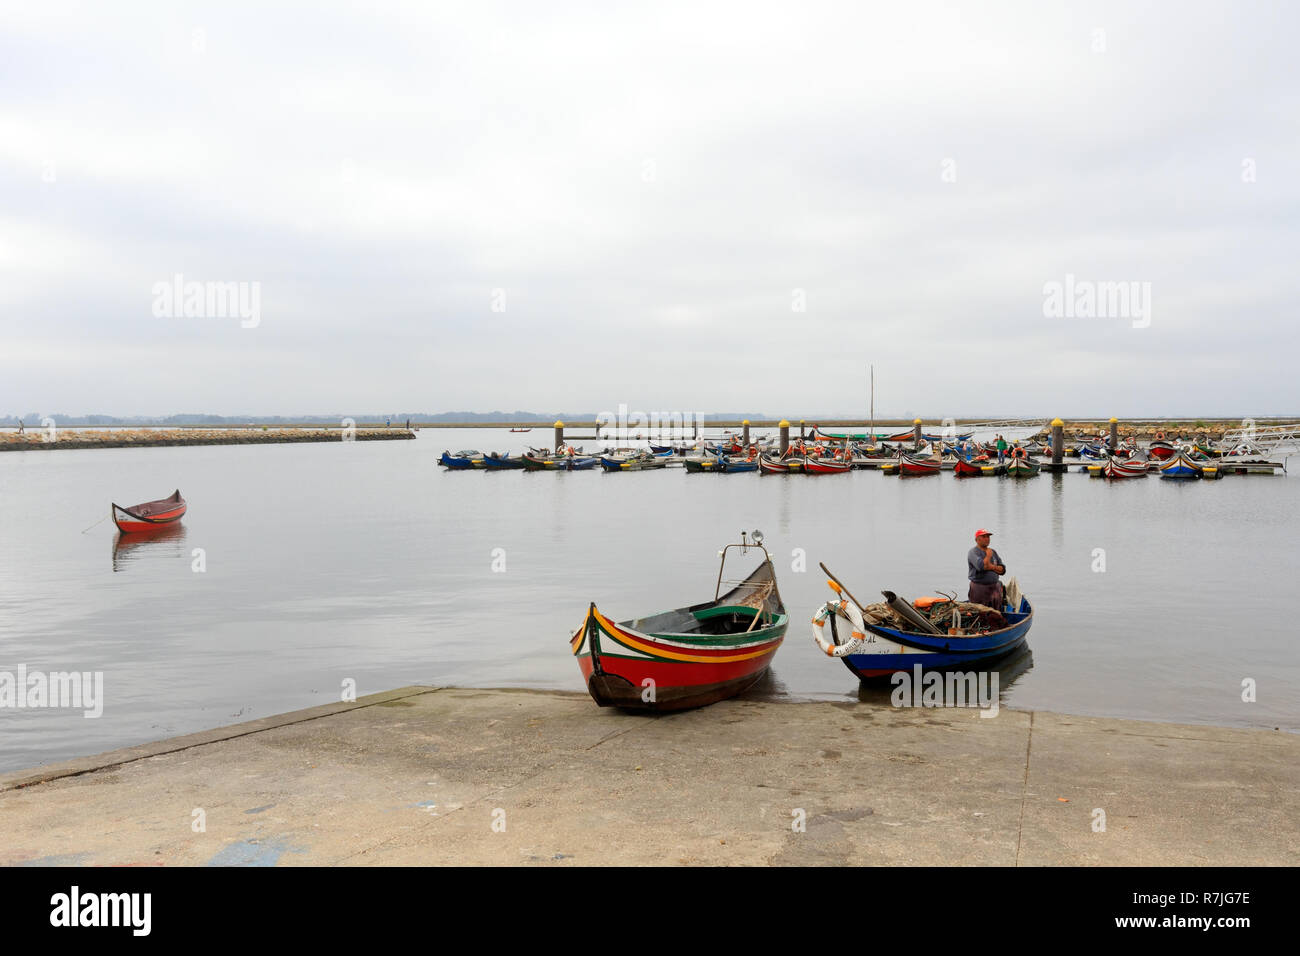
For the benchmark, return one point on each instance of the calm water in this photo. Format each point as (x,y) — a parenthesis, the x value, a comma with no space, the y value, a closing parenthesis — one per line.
(368,561)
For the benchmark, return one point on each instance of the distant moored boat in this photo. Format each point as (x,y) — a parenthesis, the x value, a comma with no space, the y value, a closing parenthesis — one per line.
(151,515)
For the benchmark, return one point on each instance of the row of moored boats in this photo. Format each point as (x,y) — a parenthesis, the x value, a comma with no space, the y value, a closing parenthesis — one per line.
(822,454)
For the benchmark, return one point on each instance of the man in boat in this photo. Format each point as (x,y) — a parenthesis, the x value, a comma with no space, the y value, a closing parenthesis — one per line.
(1002,449)
(984,566)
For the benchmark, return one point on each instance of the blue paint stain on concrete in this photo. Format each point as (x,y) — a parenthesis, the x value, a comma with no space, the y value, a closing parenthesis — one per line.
(260,809)
(252,853)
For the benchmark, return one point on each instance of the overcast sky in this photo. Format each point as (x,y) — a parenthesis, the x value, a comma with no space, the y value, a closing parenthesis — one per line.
(650,191)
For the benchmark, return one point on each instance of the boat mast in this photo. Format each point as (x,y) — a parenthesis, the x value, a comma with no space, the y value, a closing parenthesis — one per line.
(873,404)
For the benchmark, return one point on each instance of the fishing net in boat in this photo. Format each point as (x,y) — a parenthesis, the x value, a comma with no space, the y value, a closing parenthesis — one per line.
(970,617)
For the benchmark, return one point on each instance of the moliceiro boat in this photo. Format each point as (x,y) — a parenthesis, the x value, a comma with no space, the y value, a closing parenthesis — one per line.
(1180,466)
(151,515)
(689,656)
(1120,468)
(1020,465)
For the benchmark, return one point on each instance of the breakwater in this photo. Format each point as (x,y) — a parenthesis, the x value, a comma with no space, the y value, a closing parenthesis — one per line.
(48,440)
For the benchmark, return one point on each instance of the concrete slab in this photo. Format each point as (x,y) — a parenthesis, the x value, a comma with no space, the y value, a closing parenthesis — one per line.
(422,776)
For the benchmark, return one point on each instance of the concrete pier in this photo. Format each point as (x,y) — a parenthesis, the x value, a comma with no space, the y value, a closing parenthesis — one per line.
(443,776)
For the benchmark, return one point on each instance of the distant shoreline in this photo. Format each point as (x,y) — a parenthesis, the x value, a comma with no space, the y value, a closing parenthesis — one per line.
(95,436)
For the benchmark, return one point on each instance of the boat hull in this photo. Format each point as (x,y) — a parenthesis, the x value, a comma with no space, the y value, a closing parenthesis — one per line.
(900,651)
(625,666)
(149,515)
(1179,466)
(914,467)
(816,466)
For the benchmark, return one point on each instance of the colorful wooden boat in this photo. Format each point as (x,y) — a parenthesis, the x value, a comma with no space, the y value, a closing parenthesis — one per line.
(971,467)
(496,462)
(149,516)
(1179,466)
(558,462)
(1124,468)
(1161,449)
(884,648)
(734,466)
(912,466)
(462,460)
(695,466)
(1095,452)
(689,656)
(1022,466)
(826,466)
(637,463)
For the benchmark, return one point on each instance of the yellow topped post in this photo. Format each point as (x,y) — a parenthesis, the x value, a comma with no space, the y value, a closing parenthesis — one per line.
(1114,434)
(785,436)
(916,432)
(1058,442)
(559,435)
(745,438)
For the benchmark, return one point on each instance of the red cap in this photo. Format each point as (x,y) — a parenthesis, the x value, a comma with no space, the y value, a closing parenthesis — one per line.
(982,531)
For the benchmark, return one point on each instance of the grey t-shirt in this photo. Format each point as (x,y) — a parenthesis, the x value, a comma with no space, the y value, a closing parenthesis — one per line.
(975,569)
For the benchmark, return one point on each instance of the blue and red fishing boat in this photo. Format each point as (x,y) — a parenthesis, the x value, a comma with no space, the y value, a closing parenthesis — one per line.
(689,656)
(881,639)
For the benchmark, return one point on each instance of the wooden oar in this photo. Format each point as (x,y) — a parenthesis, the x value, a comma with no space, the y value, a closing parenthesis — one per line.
(835,582)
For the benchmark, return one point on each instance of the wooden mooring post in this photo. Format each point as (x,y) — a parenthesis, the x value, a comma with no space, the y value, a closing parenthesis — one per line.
(1058,445)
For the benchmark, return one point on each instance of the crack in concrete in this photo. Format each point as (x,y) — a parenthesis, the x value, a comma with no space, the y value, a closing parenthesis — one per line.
(1024,792)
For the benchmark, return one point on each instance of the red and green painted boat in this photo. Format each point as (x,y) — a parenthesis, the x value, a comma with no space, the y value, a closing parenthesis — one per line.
(690,656)
(1020,465)
(151,515)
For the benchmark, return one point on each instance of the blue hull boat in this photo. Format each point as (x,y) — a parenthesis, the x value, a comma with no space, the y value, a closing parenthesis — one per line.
(883,651)
(464,459)
(1179,466)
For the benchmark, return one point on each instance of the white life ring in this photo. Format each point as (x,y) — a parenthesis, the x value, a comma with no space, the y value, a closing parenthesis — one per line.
(850,613)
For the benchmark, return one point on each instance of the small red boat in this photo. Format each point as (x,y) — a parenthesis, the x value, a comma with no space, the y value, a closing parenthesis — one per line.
(150,515)
(918,466)
(964,468)
(825,466)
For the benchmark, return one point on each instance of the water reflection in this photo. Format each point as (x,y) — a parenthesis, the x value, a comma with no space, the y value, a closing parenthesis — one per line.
(130,549)
(1009,670)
